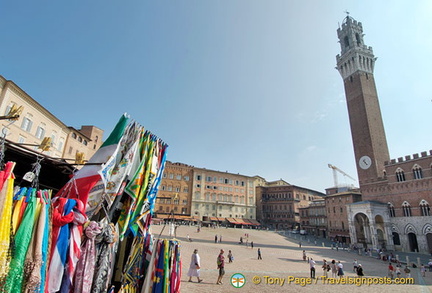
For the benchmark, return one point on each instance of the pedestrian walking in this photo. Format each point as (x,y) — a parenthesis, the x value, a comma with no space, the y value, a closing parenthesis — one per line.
(304,255)
(259,254)
(340,269)
(252,244)
(221,266)
(220,238)
(194,267)
(334,269)
(360,271)
(216,239)
(326,268)
(355,265)
(390,270)
(312,268)
(230,256)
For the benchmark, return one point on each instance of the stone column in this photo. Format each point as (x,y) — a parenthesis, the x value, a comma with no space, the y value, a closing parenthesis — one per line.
(373,234)
(389,235)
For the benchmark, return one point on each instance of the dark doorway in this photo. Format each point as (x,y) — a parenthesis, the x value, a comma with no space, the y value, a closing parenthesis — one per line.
(429,242)
(412,239)
(396,239)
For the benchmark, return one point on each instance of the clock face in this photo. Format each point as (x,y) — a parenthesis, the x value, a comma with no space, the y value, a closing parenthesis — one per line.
(365,162)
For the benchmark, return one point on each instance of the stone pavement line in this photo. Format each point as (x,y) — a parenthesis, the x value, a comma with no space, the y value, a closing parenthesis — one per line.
(281,258)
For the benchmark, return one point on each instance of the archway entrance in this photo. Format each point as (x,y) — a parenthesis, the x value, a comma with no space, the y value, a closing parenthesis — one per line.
(412,240)
(361,223)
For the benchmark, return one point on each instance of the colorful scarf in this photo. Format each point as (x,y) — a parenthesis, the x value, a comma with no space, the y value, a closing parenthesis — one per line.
(86,264)
(105,259)
(33,261)
(22,241)
(62,216)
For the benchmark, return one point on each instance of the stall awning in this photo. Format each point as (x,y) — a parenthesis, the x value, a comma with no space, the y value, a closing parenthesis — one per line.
(241,222)
(232,221)
(254,222)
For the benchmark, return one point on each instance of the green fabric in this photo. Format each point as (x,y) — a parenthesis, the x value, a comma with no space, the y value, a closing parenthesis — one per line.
(22,241)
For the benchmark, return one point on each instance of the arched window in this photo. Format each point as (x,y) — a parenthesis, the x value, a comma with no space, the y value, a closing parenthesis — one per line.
(346,40)
(417,171)
(400,175)
(406,209)
(74,135)
(358,39)
(391,210)
(424,208)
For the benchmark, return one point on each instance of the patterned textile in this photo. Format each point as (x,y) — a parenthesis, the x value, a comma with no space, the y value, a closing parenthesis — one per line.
(74,249)
(33,261)
(86,264)
(105,258)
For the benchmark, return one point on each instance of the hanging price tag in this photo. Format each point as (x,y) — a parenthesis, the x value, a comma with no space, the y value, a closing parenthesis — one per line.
(29,176)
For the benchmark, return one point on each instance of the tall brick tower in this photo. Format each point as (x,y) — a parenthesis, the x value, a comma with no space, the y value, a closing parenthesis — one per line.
(356,64)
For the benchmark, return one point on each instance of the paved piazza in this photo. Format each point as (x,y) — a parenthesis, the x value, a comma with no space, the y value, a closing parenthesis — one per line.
(281,261)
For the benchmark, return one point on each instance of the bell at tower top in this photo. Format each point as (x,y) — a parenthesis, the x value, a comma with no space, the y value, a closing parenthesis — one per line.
(355,55)
(351,34)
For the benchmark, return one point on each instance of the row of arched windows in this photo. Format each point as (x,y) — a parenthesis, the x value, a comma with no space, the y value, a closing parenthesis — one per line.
(416,171)
(406,209)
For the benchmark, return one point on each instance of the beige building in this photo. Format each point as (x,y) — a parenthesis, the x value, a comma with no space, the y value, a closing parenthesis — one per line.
(187,193)
(222,195)
(35,123)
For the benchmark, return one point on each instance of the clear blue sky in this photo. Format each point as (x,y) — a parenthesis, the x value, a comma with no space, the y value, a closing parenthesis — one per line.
(247,87)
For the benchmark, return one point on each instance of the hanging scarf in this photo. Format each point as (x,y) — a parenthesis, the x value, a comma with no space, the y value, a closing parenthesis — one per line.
(6,202)
(33,261)
(148,281)
(74,249)
(86,264)
(175,279)
(62,216)
(19,208)
(22,241)
(46,194)
(105,259)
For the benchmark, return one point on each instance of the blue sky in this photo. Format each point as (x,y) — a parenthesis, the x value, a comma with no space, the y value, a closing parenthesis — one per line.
(247,87)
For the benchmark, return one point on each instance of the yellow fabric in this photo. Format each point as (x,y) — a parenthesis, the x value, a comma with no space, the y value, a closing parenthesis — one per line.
(5,223)
(16,214)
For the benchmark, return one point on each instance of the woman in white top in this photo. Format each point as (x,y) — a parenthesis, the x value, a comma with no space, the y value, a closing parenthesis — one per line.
(194,267)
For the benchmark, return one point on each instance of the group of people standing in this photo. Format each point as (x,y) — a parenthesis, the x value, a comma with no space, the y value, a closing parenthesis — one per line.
(335,268)
(195,266)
